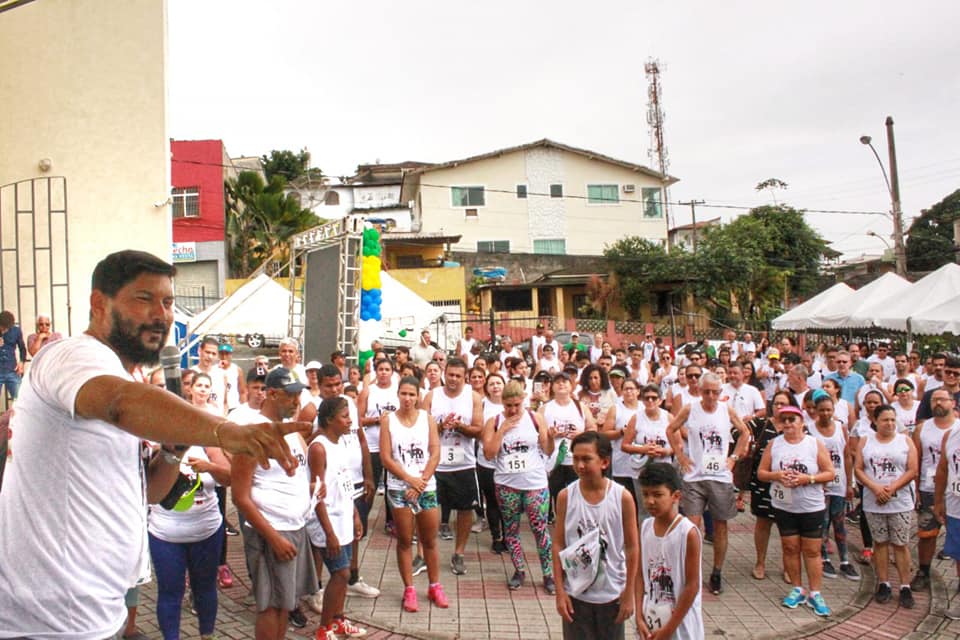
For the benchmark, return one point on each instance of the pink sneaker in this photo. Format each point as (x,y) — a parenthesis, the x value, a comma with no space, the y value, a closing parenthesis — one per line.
(225,577)
(410,600)
(437,596)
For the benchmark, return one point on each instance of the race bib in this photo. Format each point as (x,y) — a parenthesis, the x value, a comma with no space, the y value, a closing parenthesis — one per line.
(451,454)
(345,483)
(714,464)
(780,493)
(954,487)
(656,615)
(515,462)
(837,480)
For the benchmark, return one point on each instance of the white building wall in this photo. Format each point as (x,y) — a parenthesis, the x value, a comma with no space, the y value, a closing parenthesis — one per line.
(83,85)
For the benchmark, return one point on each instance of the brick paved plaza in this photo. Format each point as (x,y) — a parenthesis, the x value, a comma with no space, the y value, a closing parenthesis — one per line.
(482,607)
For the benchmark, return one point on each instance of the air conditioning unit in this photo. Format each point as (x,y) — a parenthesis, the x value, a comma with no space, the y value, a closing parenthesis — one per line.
(629,188)
(470,213)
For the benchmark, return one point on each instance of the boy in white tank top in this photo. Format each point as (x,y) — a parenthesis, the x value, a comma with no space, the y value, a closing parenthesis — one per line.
(668,588)
(594,604)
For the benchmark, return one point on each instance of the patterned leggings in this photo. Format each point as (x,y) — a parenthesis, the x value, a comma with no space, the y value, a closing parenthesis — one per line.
(536,503)
(834,514)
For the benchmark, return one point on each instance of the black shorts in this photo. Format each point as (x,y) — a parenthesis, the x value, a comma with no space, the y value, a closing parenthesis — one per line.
(805,525)
(458,490)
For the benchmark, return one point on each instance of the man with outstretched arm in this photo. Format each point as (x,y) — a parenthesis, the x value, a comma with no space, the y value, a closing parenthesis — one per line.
(74,503)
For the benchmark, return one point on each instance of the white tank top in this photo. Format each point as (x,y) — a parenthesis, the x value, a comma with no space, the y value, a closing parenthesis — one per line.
(197,523)
(351,441)
(953,474)
(686,398)
(709,441)
(411,449)
(841,412)
(582,518)
(232,383)
(565,419)
(800,457)
(663,565)
(907,418)
(520,462)
(466,345)
(283,500)
(338,481)
(650,431)
(669,379)
(834,444)
(456,449)
(490,410)
(620,463)
(931,437)
(379,402)
(884,463)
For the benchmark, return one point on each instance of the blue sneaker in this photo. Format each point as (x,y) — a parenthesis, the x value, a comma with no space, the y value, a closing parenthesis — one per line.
(794,599)
(819,605)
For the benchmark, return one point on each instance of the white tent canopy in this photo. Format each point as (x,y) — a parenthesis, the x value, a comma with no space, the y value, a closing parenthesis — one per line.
(925,294)
(260,306)
(847,314)
(943,318)
(804,316)
(892,311)
(403,310)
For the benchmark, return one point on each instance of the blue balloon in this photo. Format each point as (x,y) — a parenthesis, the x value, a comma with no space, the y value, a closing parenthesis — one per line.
(377,316)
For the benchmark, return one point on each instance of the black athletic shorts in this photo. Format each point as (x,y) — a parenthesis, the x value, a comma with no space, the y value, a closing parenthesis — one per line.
(805,525)
(458,490)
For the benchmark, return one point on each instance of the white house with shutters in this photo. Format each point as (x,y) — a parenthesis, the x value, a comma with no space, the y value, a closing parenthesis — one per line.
(543,197)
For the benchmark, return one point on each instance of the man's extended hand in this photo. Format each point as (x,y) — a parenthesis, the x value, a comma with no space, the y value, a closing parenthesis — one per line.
(263,441)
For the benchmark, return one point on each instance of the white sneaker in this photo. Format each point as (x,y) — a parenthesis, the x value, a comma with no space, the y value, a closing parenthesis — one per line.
(361,589)
(479,526)
(315,601)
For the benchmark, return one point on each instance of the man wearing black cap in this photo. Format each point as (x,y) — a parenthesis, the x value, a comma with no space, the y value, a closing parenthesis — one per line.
(275,506)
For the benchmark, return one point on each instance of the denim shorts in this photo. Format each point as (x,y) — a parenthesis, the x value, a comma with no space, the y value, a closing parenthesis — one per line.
(398,499)
(340,561)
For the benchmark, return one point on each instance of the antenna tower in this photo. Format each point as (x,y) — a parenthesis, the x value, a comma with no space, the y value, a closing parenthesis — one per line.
(655,116)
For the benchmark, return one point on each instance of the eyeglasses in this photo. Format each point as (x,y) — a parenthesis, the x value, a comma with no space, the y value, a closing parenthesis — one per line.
(693,375)
(903,389)
(650,398)
(951,372)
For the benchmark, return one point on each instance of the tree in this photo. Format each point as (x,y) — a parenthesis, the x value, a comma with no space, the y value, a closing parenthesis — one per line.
(286,164)
(746,266)
(601,295)
(930,244)
(770,184)
(261,219)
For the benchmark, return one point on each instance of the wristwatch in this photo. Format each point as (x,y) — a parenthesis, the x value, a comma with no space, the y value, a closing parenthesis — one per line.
(813,480)
(735,457)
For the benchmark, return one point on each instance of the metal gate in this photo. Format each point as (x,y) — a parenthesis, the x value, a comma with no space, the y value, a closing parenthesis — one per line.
(34,250)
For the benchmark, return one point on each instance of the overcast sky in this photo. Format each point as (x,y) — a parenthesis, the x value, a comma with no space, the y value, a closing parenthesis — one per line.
(751,90)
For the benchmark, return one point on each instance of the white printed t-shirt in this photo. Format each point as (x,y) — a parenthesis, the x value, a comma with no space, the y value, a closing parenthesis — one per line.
(73,508)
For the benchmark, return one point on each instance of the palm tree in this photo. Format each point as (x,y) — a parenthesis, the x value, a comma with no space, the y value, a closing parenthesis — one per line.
(261,219)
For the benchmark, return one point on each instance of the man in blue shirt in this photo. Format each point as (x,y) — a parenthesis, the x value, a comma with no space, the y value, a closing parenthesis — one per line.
(11,368)
(849,381)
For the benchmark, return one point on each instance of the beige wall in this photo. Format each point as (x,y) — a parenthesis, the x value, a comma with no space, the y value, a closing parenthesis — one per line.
(585,227)
(83,84)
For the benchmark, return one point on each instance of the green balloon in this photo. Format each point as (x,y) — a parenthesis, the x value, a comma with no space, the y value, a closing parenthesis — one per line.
(403,333)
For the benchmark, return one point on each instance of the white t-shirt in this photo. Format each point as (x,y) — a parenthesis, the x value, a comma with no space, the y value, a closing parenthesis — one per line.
(218,385)
(197,523)
(745,399)
(73,508)
(232,379)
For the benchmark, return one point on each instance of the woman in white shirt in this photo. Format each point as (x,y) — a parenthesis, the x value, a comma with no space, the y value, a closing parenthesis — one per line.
(410,452)
(886,465)
(188,538)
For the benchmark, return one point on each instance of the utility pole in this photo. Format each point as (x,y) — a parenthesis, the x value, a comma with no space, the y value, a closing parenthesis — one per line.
(956,240)
(899,250)
(693,214)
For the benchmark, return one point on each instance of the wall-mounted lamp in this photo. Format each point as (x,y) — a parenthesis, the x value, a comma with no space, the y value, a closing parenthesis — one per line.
(45,164)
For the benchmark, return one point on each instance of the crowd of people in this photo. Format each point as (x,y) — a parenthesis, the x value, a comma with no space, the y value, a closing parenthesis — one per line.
(625,461)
